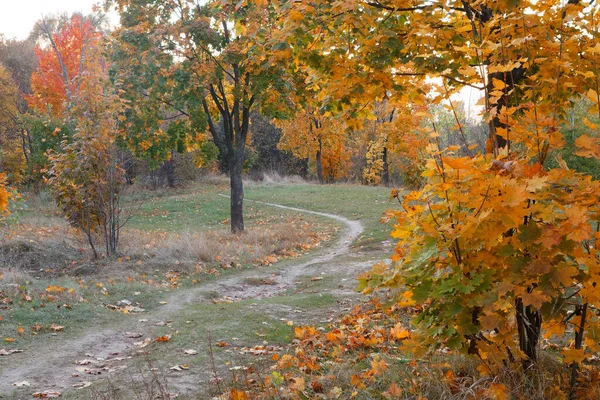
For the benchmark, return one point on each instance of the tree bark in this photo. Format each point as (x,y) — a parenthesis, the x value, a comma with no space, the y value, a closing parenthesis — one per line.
(237,193)
(320,161)
(529,324)
(386,168)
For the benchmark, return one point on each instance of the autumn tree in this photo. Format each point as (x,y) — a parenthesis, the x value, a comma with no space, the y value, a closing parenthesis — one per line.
(312,136)
(63,61)
(12,160)
(498,246)
(188,67)
(85,176)
(265,156)
(394,135)
(18,61)
(4,195)
(76,120)
(57,83)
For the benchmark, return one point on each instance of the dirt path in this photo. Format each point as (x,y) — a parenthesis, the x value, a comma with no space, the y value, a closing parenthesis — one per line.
(52,365)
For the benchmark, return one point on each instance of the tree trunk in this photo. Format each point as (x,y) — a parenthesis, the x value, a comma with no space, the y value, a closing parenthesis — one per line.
(237,192)
(529,323)
(386,168)
(320,161)
(170,171)
(509,80)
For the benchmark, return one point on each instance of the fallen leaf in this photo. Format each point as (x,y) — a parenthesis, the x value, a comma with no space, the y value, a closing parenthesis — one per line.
(21,384)
(4,352)
(190,352)
(133,335)
(143,344)
(85,362)
(57,328)
(47,394)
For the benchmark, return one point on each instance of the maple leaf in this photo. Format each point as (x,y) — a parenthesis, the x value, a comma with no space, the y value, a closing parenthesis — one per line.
(588,146)
(393,392)
(238,395)
(536,298)
(378,366)
(498,391)
(298,384)
(399,333)
(573,355)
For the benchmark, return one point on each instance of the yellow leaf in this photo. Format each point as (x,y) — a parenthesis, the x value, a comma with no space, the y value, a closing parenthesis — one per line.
(589,124)
(457,163)
(592,95)
(238,395)
(498,391)
(298,384)
(296,15)
(399,333)
(573,355)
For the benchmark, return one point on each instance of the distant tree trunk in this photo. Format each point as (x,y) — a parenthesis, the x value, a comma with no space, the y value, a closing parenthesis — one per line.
(304,168)
(24,146)
(386,167)
(386,164)
(170,171)
(320,161)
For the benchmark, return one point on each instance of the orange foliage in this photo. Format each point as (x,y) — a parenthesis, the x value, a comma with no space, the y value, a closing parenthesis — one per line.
(4,194)
(62,65)
(312,136)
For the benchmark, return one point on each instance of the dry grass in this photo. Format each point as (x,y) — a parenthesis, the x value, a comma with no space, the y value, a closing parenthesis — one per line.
(39,244)
(189,250)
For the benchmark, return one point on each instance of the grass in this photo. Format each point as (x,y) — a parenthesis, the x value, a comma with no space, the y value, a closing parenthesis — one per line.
(364,203)
(202,209)
(182,231)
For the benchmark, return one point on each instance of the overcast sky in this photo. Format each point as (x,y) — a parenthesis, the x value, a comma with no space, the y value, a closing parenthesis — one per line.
(18,16)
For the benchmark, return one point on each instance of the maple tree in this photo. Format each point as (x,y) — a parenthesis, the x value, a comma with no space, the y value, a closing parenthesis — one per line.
(57,83)
(498,246)
(76,122)
(394,133)
(320,139)
(62,62)
(12,160)
(190,66)
(18,60)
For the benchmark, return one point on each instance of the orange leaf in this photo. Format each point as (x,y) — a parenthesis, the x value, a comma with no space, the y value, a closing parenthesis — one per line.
(238,395)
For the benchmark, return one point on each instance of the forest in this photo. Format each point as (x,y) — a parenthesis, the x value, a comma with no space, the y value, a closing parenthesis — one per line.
(283,199)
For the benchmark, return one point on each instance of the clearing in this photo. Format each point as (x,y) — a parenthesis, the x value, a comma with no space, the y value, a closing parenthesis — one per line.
(188,304)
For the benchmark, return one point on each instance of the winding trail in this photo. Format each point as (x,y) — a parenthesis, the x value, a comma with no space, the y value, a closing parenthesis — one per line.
(51,365)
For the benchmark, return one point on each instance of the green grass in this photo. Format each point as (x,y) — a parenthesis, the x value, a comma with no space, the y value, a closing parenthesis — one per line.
(199,211)
(364,203)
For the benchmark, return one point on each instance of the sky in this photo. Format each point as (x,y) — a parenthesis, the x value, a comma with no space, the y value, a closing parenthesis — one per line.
(17,17)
